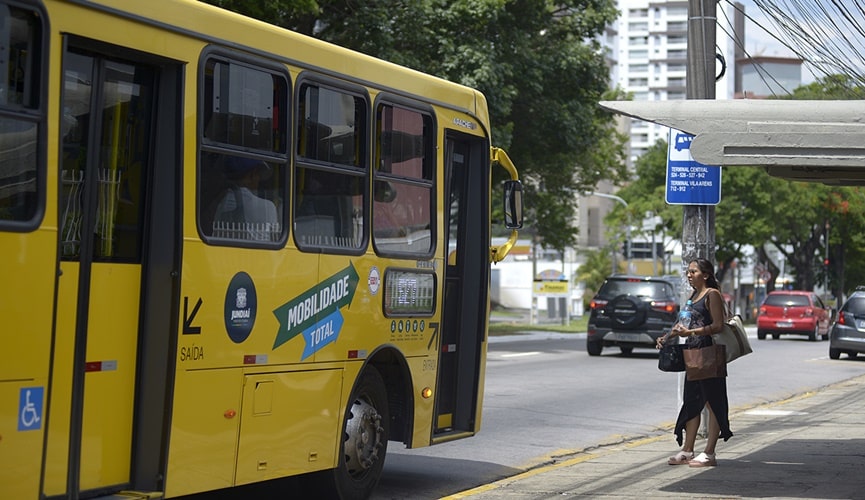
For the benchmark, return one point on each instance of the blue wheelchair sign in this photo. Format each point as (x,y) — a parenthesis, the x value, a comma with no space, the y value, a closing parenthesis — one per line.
(30,401)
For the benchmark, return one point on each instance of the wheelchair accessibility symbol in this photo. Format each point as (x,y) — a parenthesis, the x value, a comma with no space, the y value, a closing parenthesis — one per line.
(30,408)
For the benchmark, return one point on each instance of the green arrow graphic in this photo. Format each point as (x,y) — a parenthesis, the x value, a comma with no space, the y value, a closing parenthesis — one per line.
(325,298)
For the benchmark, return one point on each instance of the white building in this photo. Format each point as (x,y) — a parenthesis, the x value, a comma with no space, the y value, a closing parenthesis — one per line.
(651,61)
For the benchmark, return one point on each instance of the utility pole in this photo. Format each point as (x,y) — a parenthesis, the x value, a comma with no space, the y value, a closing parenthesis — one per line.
(698,225)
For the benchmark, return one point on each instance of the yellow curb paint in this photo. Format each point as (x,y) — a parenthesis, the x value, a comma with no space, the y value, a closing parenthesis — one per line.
(522,475)
(611,447)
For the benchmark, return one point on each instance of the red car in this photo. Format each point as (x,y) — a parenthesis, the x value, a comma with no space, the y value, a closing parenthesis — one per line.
(795,312)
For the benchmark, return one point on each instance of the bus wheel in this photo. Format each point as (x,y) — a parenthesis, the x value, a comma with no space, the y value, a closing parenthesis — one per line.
(364,438)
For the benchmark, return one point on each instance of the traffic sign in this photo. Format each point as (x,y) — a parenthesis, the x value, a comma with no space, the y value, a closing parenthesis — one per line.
(688,181)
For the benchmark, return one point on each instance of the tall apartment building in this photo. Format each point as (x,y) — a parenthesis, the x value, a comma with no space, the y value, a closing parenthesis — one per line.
(647,51)
(653,51)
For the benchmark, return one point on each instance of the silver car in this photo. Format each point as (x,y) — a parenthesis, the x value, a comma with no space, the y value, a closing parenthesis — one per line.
(848,332)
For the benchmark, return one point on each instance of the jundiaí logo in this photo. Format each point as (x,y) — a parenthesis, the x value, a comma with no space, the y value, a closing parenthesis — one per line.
(240,307)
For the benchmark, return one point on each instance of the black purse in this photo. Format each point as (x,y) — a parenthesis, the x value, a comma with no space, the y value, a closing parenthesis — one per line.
(671,358)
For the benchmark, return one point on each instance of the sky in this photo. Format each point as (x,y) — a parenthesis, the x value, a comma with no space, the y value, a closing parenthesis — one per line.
(759,42)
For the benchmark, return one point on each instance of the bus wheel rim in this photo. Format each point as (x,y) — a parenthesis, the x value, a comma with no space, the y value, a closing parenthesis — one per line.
(363,437)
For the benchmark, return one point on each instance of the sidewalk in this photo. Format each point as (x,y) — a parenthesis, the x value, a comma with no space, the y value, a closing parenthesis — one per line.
(810,446)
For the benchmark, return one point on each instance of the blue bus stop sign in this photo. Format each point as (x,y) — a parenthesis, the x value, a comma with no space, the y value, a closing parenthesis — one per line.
(690,182)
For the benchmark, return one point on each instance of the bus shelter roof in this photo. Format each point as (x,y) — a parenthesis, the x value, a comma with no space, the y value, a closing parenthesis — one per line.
(817,141)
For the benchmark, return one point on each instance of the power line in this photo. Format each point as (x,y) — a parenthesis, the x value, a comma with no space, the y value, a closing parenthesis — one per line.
(827,35)
(757,66)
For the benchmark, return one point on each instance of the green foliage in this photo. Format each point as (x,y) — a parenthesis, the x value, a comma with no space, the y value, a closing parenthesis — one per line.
(534,61)
(647,192)
(832,87)
(593,272)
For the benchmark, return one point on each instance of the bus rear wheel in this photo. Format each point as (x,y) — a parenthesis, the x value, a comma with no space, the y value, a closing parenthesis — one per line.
(364,439)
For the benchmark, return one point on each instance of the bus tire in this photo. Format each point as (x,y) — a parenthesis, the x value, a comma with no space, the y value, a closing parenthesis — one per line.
(365,434)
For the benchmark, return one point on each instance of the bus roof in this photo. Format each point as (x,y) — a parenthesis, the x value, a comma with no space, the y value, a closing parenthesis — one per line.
(216,25)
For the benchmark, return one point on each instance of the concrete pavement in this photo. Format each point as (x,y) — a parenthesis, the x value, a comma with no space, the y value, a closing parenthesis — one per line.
(809,446)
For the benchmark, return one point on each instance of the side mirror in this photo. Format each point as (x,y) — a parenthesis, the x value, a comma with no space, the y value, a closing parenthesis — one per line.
(513,197)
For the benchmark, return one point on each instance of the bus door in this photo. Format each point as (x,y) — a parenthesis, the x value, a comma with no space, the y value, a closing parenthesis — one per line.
(465,287)
(118,172)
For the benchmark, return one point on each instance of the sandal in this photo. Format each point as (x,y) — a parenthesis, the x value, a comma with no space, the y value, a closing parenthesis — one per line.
(703,460)
(681,458)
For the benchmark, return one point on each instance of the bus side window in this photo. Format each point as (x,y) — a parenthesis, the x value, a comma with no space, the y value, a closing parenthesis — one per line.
(244,208)
(20,80)
(242,194)
(330,183)
(403,209)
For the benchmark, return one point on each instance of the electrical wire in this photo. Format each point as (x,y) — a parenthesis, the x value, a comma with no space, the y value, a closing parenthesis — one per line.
(761,71)
(828,35)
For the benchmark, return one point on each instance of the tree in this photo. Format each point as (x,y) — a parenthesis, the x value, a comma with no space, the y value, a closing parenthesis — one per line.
(755,209)
(842,207)
(767,212)
(845,226)
(593,272)
(536,63)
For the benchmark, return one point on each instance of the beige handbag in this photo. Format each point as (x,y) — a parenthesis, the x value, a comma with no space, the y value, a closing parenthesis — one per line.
(733,338)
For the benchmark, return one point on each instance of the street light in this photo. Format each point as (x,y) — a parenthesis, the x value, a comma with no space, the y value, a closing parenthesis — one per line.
(628,225)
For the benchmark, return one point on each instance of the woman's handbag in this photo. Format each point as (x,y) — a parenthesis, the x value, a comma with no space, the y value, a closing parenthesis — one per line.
(705,362)
(670,358)
(733,338)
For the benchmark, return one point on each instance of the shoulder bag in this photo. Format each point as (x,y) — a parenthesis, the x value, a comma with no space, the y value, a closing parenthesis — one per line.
(705,362)
(733,336)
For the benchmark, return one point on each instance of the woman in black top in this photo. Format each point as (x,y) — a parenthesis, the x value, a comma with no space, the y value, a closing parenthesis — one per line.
(708,319)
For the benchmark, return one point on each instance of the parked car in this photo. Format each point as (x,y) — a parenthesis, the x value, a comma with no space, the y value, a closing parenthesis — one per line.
(848,332)
(796,312)
(630,311)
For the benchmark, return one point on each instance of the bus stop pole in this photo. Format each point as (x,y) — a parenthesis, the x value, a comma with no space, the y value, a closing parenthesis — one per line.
(698,223)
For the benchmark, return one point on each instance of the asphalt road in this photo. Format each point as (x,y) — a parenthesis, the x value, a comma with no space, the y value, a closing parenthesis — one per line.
(545,397)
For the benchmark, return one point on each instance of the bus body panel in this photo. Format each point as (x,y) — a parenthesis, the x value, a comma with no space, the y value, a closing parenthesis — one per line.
(28,273)
(288,424)
(215,332)
(204,430)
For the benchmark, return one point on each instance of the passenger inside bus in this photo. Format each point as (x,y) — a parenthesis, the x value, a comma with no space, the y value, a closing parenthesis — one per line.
(329,208)
(242,213)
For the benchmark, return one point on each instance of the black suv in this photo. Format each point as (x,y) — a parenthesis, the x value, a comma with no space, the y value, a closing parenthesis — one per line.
(630,311)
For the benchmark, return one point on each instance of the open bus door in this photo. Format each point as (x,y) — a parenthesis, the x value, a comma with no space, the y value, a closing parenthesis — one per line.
(119,245)
(467,179)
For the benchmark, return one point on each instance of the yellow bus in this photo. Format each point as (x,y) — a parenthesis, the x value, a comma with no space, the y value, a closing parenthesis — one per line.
(230,253)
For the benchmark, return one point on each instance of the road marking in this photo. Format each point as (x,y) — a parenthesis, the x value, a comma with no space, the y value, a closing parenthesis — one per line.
(774,413)
(519,354)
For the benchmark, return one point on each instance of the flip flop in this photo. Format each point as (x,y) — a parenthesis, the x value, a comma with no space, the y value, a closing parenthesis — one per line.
(703,460)
(681,458)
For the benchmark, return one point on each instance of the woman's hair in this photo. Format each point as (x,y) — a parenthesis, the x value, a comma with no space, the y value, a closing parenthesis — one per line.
(708,271)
